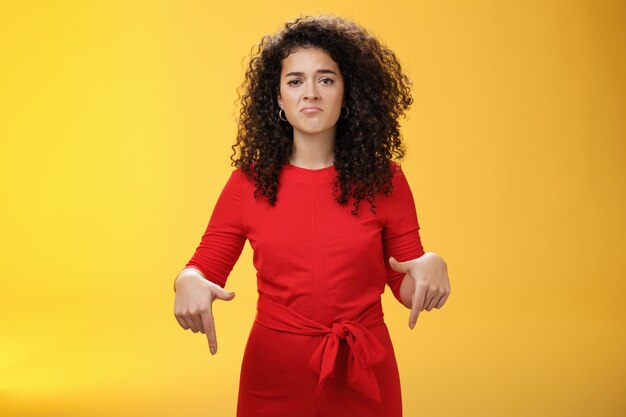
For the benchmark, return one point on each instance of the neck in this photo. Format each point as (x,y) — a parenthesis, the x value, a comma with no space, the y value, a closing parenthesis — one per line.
(313,151)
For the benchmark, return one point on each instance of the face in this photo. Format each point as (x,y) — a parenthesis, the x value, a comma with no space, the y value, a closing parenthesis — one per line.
(311,91)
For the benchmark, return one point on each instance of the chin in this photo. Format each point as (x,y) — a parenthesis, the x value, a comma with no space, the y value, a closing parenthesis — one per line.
(313,130)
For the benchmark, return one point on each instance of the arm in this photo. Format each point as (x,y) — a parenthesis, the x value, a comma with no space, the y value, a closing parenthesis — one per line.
(224,237)
(203,278)
(186,273)
(400,234)
(418,280)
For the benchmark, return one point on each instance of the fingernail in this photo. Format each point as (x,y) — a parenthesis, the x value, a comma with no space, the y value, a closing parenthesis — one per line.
(212,350)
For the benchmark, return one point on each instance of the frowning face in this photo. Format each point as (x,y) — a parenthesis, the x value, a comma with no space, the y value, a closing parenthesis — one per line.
(311,91)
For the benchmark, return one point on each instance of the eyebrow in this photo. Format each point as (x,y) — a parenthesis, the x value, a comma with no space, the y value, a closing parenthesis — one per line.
(319,71)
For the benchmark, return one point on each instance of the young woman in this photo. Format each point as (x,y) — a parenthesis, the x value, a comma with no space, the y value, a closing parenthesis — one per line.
(331,220)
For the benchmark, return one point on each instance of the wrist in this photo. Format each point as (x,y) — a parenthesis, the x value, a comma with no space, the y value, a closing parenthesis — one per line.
(186,273)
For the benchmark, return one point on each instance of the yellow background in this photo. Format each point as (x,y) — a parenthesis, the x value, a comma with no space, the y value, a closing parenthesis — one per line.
(116,121)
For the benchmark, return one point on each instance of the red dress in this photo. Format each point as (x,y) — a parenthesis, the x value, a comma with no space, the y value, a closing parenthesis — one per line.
(319,345)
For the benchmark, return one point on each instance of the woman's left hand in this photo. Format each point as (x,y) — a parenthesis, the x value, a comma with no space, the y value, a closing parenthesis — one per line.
(428,286)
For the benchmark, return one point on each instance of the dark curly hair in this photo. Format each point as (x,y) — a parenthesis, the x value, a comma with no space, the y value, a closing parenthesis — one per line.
(377,93)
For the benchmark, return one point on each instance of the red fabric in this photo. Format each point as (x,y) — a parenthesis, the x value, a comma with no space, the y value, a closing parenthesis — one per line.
(276,381)
(311,254)
(365,349)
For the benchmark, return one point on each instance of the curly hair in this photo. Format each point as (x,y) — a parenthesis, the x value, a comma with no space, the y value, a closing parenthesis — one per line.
(377,93)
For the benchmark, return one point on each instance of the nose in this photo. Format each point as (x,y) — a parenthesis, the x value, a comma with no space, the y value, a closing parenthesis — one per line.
(310,92)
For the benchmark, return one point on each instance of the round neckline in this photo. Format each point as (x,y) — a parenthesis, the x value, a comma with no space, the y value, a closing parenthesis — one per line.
(298,168)
(308,175)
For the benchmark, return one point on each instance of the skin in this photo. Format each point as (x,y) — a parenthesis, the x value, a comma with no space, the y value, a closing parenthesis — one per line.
(426,284)
(311,78)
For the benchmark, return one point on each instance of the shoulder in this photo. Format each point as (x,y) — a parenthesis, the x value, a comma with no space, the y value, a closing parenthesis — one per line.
(244,176)
(239,171)
(395,167)
(396,175)
(398,179)
(399,182)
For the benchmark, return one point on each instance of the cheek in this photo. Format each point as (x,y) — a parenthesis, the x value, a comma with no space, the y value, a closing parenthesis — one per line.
(288,98)
(338,96)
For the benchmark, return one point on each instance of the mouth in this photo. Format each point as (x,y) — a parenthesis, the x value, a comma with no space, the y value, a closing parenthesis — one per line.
(311,109)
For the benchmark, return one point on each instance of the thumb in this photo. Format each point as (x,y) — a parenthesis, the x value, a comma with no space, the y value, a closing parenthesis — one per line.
(223,294)
(397,266)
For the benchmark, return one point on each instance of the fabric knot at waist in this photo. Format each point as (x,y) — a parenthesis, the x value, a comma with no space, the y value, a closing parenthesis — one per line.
(365,349)
(339,331)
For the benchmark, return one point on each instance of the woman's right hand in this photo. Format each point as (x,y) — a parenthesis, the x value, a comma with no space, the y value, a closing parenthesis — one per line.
(193,306)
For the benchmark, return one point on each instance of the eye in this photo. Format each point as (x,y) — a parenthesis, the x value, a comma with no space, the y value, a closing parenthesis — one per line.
(293,82)
(327,81)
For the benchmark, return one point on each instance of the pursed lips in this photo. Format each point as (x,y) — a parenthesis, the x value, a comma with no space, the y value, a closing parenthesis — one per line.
(310,109)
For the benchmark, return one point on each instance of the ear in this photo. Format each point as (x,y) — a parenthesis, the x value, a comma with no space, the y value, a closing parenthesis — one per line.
(280,102)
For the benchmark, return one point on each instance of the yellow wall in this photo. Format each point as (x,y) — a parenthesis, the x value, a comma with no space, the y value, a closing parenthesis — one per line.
(116,121)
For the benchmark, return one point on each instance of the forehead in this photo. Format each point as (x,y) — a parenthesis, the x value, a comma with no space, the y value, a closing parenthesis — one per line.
(308,59)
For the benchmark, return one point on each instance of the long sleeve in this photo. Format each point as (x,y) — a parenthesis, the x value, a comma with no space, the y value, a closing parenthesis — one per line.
(224,237)
(400,234)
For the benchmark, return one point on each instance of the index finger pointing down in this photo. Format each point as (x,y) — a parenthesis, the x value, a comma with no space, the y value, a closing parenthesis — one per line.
(209,328)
